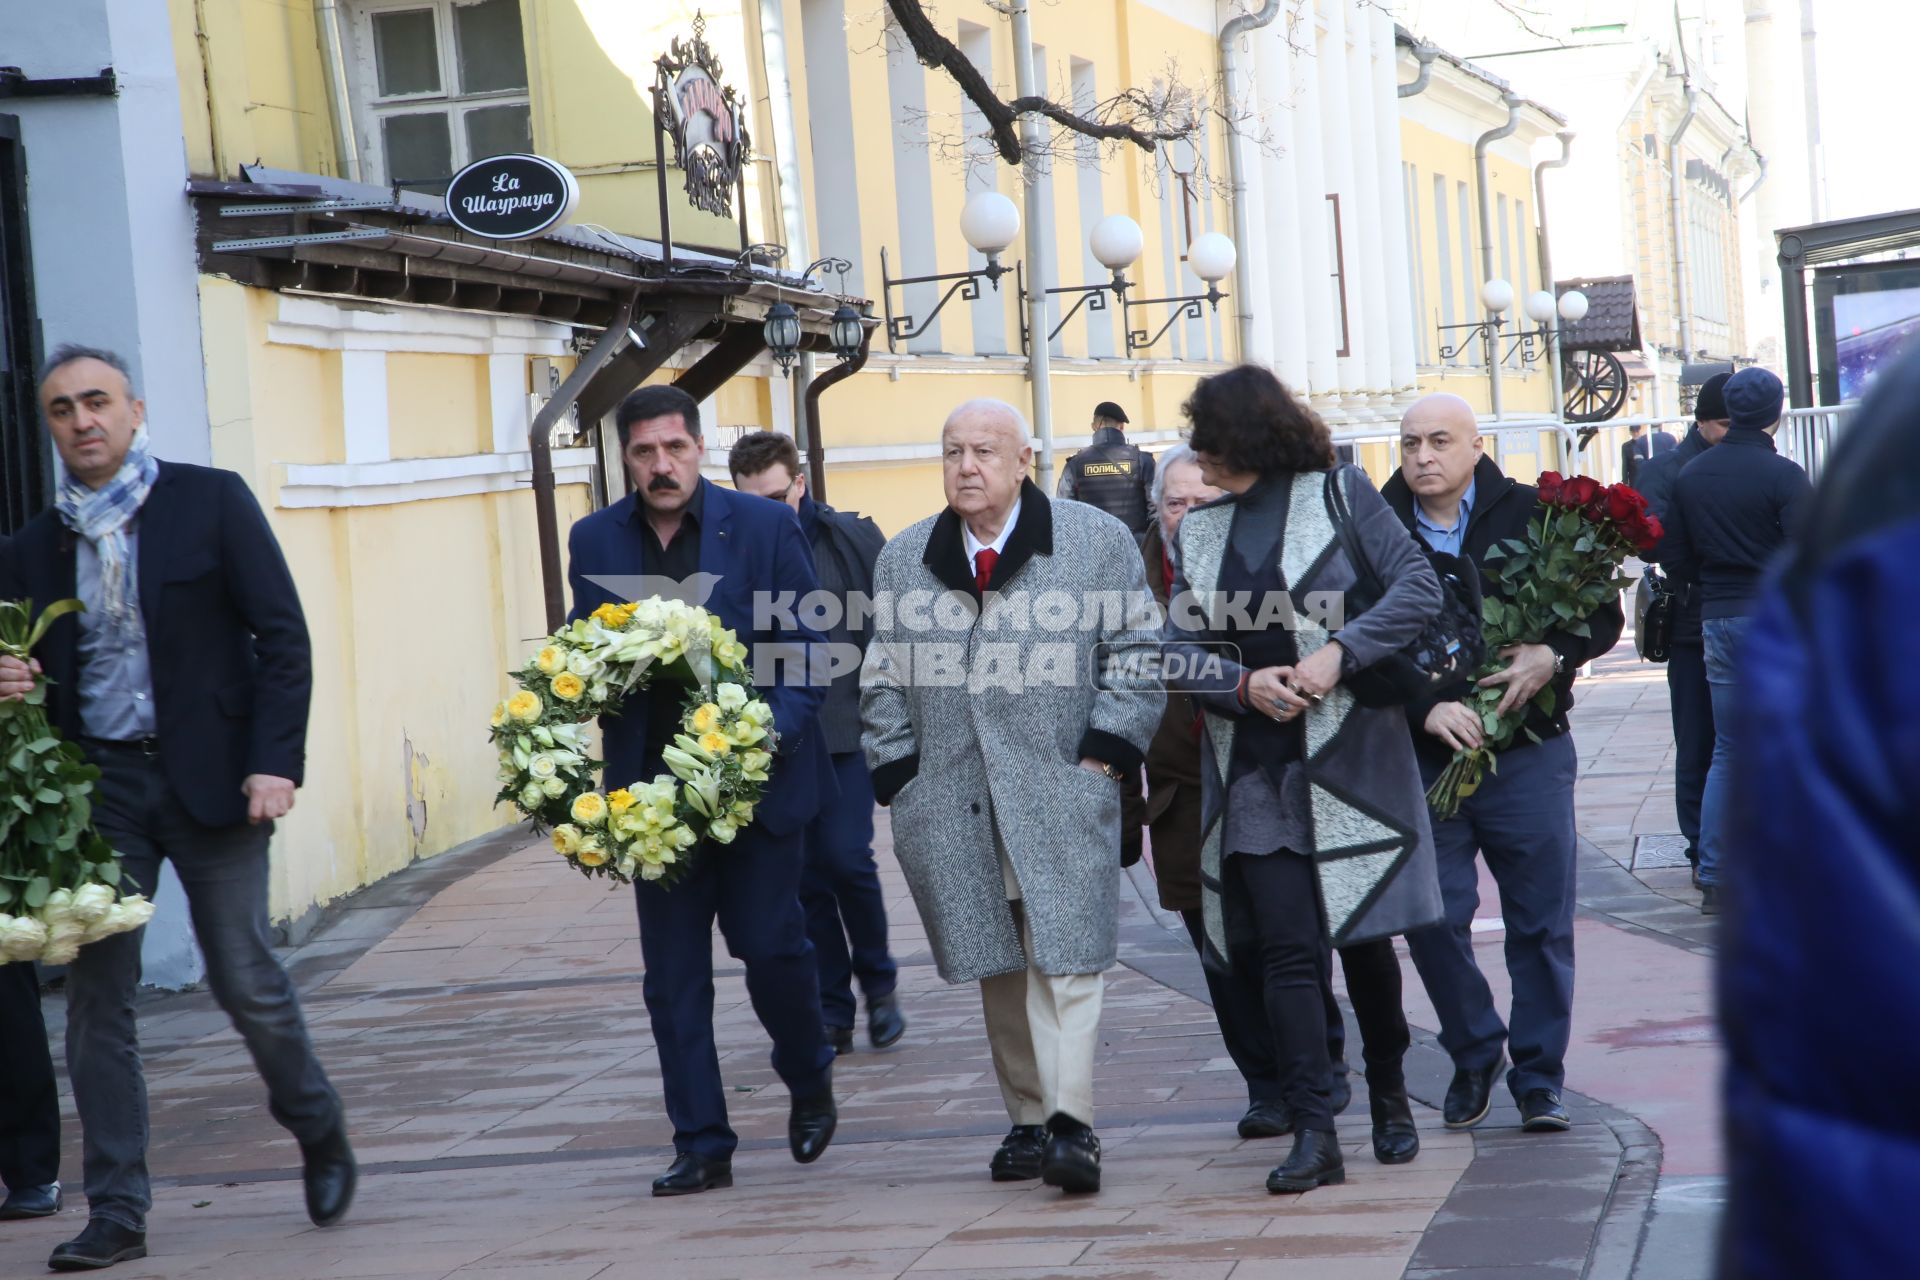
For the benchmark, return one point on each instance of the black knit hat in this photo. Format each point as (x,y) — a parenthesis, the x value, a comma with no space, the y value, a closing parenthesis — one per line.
(1711,404)
(1110,411)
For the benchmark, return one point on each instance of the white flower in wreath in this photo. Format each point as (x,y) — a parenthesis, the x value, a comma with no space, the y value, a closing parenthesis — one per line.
(723,830)
(543,766)
(553,788)
(532,796)
(583,664)
(730,696)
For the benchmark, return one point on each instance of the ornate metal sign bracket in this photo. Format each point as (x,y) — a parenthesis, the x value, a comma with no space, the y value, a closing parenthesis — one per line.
(705,120)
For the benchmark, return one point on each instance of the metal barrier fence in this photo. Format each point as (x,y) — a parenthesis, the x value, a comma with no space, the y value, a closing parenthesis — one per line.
(1805,435)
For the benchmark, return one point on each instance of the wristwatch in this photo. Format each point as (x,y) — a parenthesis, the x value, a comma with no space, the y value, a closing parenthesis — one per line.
(1559,662)
(1111,771)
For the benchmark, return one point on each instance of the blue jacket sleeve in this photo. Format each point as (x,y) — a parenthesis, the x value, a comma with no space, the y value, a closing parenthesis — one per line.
(798,652)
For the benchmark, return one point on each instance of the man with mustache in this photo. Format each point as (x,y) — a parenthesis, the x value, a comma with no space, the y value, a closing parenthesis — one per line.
(674,525)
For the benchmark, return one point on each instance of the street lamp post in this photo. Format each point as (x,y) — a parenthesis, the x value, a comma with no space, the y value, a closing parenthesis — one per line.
(1116,242)
(989,222)
(1211,256)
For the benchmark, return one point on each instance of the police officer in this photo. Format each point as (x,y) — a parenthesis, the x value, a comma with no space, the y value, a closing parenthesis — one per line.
(1110,473)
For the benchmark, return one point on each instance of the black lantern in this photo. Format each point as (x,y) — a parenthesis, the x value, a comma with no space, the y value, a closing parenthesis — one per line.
(782,334)
(847,332)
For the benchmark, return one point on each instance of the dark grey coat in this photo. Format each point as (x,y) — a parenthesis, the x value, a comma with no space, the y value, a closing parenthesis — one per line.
(1372,839)
(994,731)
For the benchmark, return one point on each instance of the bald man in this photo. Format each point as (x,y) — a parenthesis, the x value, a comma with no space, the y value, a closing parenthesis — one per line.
(1001,761)
(1453,497)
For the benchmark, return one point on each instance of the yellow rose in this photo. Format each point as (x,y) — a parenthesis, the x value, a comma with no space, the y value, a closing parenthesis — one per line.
(620,801)
(612,615)
(568,687)
(499,714)
(589,808)
(566,839)
(706,718)
(525,706)
(551,660)
(591,856)
(715,744)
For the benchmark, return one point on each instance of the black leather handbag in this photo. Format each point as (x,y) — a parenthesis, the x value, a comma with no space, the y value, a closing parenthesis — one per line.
(1654,602)
(1447,649)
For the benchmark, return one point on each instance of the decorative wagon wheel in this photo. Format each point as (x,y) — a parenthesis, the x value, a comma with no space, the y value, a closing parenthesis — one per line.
(1595,383)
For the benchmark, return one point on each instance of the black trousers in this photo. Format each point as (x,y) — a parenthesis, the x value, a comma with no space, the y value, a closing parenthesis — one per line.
(1281,894)
(29,1099)
(1691,703)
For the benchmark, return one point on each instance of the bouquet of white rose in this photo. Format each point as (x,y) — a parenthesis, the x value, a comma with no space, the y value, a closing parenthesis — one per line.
(718,764)
(57,876)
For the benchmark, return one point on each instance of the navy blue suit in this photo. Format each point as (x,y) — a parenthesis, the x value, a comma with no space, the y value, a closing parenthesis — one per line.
(753,546)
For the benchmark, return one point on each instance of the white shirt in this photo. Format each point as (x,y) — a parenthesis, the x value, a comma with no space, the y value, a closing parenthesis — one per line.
(998,545)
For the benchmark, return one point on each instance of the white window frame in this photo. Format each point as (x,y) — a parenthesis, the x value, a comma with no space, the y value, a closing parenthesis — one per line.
(370,108)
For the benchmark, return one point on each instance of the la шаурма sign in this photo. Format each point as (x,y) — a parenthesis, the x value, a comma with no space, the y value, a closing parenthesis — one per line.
(511,197)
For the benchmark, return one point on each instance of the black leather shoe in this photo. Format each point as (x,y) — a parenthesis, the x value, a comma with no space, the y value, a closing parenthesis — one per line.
(1339,1093)
(811,1123)
(102,1244)
(690,1174)
(1395,1139)
(1709,900)
(841,1038)
(330,1175)
(31,1202)
(885,1023)
(1315,1161)
(1266,1120)
(1470,1096)
(1018,1159)
(1541,1112)
(1072,1160)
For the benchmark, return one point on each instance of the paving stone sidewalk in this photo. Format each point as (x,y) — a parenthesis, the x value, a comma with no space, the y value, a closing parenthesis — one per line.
(481,1015)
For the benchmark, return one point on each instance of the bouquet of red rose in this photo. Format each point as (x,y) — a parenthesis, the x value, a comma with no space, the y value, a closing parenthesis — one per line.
(1567,567)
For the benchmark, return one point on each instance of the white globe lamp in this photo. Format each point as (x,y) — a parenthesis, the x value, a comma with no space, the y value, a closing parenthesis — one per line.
(1573,306)
(1540,306)
(1496,295)
(1116,241)
(989,222)
(1211,256)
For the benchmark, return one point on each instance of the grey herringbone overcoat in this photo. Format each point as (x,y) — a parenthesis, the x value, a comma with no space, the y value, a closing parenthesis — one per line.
(980,718)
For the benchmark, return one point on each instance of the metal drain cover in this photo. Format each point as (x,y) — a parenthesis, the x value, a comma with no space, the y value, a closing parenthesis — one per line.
(1659,851)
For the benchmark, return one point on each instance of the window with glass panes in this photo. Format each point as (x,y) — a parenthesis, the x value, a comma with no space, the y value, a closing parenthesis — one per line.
(438,85)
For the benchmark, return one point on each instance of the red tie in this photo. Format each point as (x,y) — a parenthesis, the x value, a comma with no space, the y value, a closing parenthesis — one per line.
(983,562)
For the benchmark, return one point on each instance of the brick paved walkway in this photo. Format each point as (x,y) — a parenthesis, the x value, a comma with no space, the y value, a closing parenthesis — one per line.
(494,1054)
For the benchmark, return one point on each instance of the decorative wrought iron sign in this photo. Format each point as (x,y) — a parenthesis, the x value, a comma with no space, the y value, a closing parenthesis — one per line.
(704,119)
(511,197)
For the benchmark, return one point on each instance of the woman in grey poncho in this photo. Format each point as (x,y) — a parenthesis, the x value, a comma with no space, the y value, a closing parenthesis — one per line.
(1314,822)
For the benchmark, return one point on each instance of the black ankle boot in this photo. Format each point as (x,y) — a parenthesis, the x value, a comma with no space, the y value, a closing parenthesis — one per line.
(1395,1139)
(1315,1161)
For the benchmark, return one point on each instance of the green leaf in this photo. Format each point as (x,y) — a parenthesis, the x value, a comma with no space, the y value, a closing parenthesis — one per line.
(1490,721)
(50,615)
(38,890)
(108,872)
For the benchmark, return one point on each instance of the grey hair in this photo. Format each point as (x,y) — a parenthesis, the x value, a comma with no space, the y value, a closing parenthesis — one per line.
(996,408)
(1179,453)
(68,352)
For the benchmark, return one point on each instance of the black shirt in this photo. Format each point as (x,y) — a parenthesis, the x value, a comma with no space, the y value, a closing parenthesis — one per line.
(679,560)
(1732,509)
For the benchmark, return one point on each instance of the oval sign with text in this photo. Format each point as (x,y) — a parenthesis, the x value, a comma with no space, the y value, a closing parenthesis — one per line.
(511,197)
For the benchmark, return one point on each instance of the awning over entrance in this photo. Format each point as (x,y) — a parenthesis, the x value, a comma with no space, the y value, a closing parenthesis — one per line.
(306,233)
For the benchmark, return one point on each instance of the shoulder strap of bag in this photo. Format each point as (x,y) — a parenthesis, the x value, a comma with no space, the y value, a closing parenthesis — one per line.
(1342,519)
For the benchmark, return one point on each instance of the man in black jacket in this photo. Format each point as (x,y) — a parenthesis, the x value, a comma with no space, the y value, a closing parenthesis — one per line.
(1452,496)
(840,886)
(1111,474)
(1688,699)
(1733,507)
(186,681)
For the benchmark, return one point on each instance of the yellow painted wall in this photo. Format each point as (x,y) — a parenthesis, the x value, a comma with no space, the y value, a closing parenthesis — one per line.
(258,64)
(1437,154)
(415,609)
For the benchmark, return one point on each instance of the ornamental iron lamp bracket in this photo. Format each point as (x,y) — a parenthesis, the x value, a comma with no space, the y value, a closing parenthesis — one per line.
(901,328)
(1186,307)
(706,122)
(1092,296)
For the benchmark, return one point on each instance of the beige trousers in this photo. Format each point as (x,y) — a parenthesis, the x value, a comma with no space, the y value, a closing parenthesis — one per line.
(1043,1030)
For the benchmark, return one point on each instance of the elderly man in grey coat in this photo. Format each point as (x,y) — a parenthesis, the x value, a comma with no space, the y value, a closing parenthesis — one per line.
(1000,754)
